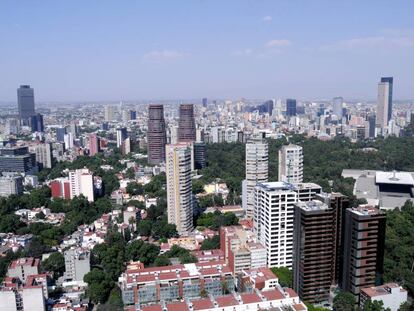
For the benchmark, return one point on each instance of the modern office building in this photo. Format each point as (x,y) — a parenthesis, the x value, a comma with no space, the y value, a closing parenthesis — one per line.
(76,264)
(290,107)
(60,134)
(121,135)
(12,126)
(25,103)
(257,170)
(11,184)
(133,114)
(94,144)
(363,249)
(186,124)
(157,137)
(44,156)
(179,187)
(384,102)
(36,123)
(81,183)
(291,164)
(199,149)
(314,250)
(273,218)
(17,159)
(337,104)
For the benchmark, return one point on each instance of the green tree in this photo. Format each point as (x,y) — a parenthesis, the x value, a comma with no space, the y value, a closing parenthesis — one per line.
(99,286)
(375,305)
(54,263)
(344,301)
(161,261)
(211,243)
(285,276)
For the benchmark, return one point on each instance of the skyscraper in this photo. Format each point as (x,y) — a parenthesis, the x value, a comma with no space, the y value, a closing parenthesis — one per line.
(314,250)
(25,103)
(384,103)
(363,249)
(257,170)
(121,135)
(157,137)
(60,134)
(390,81)
(337,103)
(204,101)
(109,113)
(94,146)
(186,124)
(273,218)
(179,187)
(291,163)
(290,107)
(36,123)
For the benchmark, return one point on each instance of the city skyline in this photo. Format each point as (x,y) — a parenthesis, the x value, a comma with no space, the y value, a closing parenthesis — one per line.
(195,49)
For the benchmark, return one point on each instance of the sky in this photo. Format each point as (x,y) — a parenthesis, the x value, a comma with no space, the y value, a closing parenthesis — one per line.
(132,50)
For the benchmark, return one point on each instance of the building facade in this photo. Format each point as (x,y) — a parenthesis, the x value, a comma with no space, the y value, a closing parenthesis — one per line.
(81,183)
(25,103)
(257,170)
(157,137)
(76,264)
(291,164)
(186,124)
(44,155)
(179,187)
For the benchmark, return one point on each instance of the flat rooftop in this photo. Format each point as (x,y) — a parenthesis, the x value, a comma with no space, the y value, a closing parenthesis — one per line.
(395,178)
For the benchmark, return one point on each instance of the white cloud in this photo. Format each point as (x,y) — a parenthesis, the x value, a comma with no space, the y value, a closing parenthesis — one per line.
(243,52)
(278,43)
(374,42)
(164,55)
(267,18)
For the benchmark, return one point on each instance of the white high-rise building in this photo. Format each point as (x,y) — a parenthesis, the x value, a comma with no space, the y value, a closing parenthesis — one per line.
(337,103)
(179,187)
(11,184)
(291,164)
(81,182)
(68,139)
(257,170)
(383,105)
(273,218)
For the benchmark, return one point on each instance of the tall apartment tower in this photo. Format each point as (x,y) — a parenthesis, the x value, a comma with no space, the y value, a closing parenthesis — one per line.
(179,187)
(157,137)
(109,113)
(291,164)
(290,107)
(186,124)
(76,264)
(364,238)
(81,182)
(94,144)
(44,155)
(257,170)
(384,103)
(337,103)
(314,250)
(25,103)
(273,218)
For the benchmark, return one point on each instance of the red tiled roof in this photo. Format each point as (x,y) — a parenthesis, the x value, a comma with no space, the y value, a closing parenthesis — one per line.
(226,301)
(291,292)
(272,294)
(177,306)
(201,304)
(150,308)
(250,298)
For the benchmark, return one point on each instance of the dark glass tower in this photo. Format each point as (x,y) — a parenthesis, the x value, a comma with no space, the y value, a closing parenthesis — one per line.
(291,107)
(390,81)
(36,122)
(157,137)
(199,155)
(186,124)
(25,103)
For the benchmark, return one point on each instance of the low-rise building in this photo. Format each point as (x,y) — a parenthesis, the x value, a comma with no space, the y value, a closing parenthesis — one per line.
(76,264)
(392,296)
(23,267)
